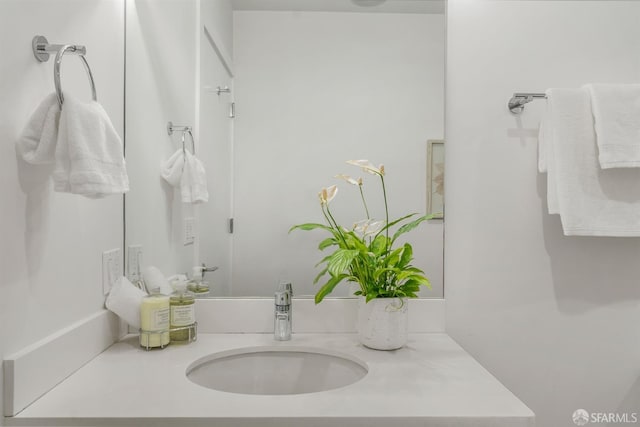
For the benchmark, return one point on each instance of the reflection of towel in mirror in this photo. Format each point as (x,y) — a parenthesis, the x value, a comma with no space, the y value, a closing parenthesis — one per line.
(172,169)
(185,170)
(37,144)
(89,153)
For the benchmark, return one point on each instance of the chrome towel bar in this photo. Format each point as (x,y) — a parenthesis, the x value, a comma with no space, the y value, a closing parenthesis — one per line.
(41,48)
(519,99)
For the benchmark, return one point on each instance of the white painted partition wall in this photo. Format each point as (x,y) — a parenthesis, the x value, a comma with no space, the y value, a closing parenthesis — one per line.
(52,243)
(556,319)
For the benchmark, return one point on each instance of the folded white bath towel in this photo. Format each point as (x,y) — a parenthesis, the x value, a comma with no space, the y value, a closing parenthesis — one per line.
(37,143)
(616,113)
(185,170)
(89,153)
(546,159)
(591,201)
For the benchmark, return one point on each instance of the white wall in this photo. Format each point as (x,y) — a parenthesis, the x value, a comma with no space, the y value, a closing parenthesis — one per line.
(556,319)
(52,243)
(314,89)
(161,87)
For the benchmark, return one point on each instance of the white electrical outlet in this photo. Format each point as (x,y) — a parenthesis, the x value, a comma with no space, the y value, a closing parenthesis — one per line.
(111,268)
(189,235)
(134,263)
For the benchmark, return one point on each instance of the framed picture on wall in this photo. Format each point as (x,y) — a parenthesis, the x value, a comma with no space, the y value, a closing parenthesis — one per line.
(435,177)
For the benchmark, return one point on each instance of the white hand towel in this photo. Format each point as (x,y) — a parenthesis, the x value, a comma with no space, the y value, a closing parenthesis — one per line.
(172,169)
(37,143)
(89,153)
(591,201)
(616,113)
(193,185)
(185,170)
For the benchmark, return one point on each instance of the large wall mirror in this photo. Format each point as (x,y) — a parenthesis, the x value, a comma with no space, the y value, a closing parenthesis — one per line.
(278,94)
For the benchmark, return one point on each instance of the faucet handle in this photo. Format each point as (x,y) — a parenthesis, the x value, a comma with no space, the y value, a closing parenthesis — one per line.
(286,287)
(206,269)
(282,298)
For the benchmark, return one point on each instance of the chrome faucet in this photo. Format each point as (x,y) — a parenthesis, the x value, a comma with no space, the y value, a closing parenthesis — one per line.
(282,318)
(206,269)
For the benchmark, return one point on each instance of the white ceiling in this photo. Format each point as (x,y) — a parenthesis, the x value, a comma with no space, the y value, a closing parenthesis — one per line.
(375,6)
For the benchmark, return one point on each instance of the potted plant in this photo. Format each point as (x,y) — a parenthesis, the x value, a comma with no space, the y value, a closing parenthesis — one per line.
(368,254)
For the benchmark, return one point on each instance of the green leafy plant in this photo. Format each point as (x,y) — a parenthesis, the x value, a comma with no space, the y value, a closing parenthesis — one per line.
(365,254)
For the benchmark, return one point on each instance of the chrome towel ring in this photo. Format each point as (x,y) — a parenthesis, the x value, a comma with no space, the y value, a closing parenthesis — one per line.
(41,47)
(184,129)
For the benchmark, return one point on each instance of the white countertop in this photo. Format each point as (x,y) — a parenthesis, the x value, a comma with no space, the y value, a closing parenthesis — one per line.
(430,382)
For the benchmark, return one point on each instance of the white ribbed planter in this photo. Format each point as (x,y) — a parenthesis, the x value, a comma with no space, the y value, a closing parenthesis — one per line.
(383,323)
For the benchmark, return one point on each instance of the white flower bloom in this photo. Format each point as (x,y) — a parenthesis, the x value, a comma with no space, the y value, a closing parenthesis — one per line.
(367,166)
(327,194)
(367,227)
(350,180)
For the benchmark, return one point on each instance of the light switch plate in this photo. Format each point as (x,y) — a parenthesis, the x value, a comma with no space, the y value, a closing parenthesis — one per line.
(189,235)
(111,268)
(134,262)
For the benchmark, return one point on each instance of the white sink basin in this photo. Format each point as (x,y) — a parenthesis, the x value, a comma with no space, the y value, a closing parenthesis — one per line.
(276,370)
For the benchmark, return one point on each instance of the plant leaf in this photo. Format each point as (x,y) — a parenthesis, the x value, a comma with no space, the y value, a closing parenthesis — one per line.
(354,242)
(322,273)
(407,256)
(325,259)
(329,241)
(410,226)
(379,245)
(328,287)
(340,261)
(393,258)
(394,222)
(310,226)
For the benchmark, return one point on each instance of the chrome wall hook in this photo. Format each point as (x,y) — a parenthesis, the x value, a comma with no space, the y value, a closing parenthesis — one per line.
(185,130)
(173,128)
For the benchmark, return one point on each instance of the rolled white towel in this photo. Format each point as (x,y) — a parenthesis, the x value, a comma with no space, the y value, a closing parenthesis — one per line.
(124,299)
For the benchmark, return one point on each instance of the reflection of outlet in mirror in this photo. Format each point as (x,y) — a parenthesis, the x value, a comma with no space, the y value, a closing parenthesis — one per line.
(111,269)
(134,261)
(189,231)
